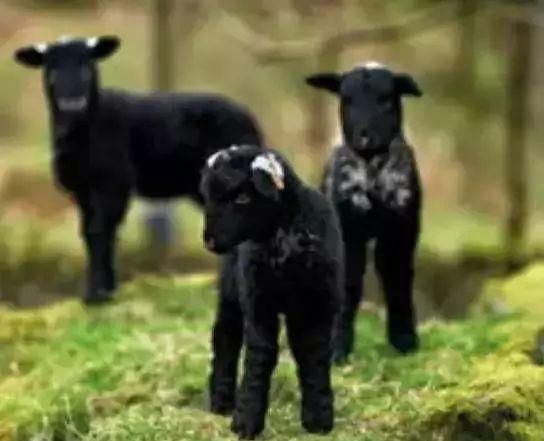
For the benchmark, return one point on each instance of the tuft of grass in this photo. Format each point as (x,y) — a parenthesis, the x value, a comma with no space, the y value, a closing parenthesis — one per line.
(137,370)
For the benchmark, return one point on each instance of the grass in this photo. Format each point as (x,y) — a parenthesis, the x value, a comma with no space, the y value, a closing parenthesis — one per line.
(137,370)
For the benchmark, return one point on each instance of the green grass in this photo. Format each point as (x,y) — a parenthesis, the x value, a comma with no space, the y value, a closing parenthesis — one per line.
(137,370)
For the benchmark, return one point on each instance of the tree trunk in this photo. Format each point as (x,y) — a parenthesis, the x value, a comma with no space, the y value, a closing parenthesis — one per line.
(465,81)
(162,45)
(159,219)
(516,143)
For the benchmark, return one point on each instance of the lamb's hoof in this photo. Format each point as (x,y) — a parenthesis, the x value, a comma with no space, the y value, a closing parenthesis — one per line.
(404,343)
(320,423)
(98,297)
(245,427)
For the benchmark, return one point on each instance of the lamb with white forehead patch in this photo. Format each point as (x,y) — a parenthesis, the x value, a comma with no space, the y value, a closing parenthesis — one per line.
(373,181)
(283,256)
(109,144)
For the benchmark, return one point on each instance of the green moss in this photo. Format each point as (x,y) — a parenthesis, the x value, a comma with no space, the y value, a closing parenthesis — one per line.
(137,370)
(502,399)
(522,292)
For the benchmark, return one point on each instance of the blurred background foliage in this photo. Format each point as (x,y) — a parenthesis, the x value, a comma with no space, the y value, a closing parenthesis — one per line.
(476,131)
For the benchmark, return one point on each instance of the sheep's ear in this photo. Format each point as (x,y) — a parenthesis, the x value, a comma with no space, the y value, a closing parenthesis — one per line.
(102,47)
(268,176)
(406,85)
(328,81)
(31,56)
(265,185)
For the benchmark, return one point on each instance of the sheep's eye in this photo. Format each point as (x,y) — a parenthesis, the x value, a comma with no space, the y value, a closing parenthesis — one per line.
(242,199)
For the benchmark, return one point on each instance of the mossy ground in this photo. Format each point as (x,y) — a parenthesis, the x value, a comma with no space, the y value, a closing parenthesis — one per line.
(137,370)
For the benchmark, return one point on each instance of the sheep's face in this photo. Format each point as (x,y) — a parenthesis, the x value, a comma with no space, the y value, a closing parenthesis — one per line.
(242,189)
(370,104)
(69,70)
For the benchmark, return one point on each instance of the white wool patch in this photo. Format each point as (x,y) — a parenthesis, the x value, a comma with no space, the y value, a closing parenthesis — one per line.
(371,65)
(92,42)
(65,39)
(269,164)
(213,158)
(41,47)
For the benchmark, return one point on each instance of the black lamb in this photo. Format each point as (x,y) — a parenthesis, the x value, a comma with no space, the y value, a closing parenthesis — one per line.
(373,181)
(284,256)
(108,144)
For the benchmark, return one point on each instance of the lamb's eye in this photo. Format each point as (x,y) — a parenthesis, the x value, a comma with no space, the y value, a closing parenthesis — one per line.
(242,199)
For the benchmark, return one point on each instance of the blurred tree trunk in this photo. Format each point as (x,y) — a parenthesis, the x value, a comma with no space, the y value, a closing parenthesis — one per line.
(159,216)
(516,142)
(316,108)
(163,75)
(465,81)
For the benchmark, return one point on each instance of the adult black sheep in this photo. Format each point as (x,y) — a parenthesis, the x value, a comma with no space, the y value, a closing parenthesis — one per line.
(108,144)
(374,183)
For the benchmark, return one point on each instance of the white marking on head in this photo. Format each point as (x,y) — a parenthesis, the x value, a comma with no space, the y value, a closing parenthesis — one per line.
(371,65)
(213,158)
(41,47)
(268,163)
(65,39)
(92,42)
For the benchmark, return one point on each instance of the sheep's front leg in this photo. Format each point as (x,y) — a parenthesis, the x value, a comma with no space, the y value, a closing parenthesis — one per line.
(395,267)
(226,342)
(261,339)
(310,344)
(100,216)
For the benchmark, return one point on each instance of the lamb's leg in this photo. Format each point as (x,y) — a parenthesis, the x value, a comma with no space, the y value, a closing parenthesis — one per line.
(311,347)
(395,267)
(261,340)
(344,329)
(227,343)
(100,218)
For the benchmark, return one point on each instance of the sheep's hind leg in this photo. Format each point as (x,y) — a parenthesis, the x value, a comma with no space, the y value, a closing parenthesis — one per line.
(344,328)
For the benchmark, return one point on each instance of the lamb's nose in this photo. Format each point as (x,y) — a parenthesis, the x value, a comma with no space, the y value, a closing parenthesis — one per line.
(364,137)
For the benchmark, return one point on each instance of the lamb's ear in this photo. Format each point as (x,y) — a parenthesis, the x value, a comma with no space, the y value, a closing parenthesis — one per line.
(406,85)
(102,47)
(268,176)
(328,81)
(31,56)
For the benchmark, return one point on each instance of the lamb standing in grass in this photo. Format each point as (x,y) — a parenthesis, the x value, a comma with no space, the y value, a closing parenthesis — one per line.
(373,181)
(108,144)
(284,257)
